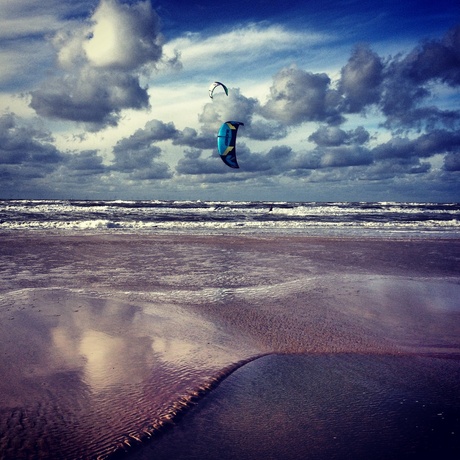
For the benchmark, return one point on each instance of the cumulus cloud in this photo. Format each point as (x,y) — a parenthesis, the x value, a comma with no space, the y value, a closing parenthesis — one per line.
(235,106)
(424,146)
(29,161)
(400,88)
(102,59)
(306,125)
(344,156)
(194,163)
(25,145)
(435,60)
(85,163)
(360,80)
(91,96)
(117,36)
(410,80)
(298,96)
(394,168)
(264,130)
(191,138)
(335,136)
(277,160)
(138,157)
(123,36)
(452,161)
(154,131)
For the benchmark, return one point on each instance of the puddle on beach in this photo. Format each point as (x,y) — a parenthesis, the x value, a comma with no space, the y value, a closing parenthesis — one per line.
(322,407)
(80,373)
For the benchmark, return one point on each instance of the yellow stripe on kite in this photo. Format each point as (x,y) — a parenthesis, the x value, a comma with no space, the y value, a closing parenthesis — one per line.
(228,150)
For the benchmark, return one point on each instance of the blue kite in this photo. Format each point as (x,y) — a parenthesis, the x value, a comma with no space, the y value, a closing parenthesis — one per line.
(226,140)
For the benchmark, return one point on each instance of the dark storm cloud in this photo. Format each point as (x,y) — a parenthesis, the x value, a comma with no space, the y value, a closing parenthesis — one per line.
(101,60)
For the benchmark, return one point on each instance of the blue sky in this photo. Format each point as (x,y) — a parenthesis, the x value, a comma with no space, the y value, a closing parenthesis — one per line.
(340,100)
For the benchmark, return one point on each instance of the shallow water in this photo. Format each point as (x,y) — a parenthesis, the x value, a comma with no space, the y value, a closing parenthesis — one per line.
(323,407)
(81,373)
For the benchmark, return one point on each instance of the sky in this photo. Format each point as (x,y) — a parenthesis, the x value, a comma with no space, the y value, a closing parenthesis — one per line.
(340,100)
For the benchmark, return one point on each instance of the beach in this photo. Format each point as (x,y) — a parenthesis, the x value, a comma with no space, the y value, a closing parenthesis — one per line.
(132,346)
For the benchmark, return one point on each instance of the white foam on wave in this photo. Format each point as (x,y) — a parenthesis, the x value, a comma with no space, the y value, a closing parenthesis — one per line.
(217,216)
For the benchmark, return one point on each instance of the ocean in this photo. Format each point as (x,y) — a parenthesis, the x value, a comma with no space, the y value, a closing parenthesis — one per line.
(210,217)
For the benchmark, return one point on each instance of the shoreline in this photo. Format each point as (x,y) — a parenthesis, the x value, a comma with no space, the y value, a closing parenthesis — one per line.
(253,233)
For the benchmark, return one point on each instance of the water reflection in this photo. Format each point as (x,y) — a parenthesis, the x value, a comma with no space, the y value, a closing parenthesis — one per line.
(95,366)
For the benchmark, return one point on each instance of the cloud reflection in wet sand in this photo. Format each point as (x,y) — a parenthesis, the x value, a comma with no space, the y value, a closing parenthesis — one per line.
(85,371)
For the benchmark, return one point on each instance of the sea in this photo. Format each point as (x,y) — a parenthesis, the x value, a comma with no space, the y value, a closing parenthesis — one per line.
(377,219)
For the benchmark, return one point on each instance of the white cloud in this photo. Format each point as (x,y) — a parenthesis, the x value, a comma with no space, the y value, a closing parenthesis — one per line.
(242,43)
(28,18)
(18,27)
(103,58)
(122,36)
(119,36)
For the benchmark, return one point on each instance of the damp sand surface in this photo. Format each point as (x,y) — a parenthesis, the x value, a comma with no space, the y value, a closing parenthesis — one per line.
(112,344)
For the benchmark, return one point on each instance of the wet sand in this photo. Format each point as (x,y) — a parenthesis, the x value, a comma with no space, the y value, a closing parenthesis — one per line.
(111,343)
